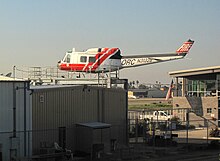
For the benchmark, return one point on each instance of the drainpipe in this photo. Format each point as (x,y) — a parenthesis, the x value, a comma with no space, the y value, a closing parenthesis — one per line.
(14,110)
(25,119)
(126,104)
(187,127)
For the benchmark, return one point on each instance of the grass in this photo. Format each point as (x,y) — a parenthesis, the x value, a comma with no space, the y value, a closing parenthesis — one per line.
(153,106)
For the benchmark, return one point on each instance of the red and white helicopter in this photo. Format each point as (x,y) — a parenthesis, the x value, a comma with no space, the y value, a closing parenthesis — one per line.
(96,60)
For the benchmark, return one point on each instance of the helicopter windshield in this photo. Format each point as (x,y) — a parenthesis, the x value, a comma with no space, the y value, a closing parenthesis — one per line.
(67,58)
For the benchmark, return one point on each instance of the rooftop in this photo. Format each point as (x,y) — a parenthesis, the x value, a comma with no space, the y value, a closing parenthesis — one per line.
(5,78)
(196,71)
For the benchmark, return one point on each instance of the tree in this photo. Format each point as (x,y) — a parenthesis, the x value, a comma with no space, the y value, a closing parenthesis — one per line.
(142,86)
(137,82)
(133,83)
(130,85)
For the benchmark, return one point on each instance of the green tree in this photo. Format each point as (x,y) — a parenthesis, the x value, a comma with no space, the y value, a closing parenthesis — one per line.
(137,83)
(142,86)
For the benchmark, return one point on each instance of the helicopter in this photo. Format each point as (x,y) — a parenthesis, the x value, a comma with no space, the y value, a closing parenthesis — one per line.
(96,60)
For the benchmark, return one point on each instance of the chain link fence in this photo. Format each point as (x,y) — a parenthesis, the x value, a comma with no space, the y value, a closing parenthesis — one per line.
(170,127)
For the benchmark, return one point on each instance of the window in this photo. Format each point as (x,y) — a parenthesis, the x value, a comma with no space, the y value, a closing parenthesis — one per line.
(83,59)
(91,59)
(67,59)
(156,113)
(201,88)
(209,110)
(41,98)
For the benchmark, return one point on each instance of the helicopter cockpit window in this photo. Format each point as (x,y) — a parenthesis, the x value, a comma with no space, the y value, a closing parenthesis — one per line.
(83,59)
(67,58)
(91,59)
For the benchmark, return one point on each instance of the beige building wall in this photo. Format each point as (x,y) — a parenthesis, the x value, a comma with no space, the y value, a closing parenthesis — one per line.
(203,106)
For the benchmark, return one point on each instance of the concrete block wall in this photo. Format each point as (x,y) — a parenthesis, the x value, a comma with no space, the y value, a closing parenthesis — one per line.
(199,105)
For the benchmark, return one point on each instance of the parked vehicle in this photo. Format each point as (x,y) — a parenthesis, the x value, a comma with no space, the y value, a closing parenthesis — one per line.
(132,97)
(157,115)
(215,132)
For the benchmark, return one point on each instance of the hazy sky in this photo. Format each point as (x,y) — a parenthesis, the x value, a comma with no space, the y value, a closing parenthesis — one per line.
(39,32)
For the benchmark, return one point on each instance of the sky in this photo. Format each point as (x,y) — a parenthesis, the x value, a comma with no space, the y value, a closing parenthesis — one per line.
(38,33)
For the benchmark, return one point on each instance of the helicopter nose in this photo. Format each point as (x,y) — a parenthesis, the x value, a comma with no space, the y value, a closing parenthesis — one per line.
(58,64)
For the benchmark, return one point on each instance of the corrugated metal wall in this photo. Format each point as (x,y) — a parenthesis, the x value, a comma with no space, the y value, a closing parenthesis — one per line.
(115,112)
(15,106)
(66,106)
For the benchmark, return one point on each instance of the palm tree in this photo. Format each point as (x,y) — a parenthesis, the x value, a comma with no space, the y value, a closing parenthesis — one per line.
(137,82)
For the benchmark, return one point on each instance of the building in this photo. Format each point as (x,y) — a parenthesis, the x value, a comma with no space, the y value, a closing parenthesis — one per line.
(58,109)
(200,91)
(33,119)
(15,116)
(147,93)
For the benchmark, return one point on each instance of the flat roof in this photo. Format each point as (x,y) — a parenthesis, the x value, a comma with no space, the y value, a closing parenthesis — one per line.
(196,71)
(5,78)
(51,86)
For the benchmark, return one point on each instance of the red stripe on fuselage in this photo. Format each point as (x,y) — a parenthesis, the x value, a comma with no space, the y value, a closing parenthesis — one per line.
(72,67)
(100,58)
